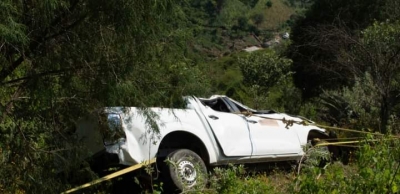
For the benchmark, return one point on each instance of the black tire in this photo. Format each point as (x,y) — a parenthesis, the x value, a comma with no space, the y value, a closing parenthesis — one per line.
(184,170)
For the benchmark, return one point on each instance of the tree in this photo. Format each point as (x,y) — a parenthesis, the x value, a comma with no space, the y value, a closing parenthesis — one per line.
(263,70)
(374,52)
(258,18)
(317,40)
(230,13)
(250,3)
(378,53)
(329,51)
(60,59)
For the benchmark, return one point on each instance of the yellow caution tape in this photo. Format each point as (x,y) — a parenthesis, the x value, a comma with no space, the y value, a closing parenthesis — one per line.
(348,130)
(290,123)
(346,145)
(113,175)
(341,143)
(344,138)
(352,142)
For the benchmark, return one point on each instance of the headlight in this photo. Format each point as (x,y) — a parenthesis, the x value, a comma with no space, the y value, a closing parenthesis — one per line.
(111,128)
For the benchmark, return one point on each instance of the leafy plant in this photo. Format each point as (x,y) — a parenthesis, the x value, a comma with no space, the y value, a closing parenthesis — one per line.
(234,179)
(376,170)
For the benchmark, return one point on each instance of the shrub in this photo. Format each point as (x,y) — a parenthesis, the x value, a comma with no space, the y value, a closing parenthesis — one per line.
(234,179)
(376,170)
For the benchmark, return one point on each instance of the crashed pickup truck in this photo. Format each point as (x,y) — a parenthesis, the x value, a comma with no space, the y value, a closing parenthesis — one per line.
(208,132)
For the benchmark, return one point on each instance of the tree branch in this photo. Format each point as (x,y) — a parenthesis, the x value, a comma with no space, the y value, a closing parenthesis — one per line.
(65,29)
(54,72)
(8,70)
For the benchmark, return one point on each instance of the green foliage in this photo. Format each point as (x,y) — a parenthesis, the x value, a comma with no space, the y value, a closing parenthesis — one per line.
(230,13)
(318,39)
(285,97)
(355,107)
(220,28)
(60,60)
(257,18)
(313,158)
(235,180)
(376,170)
(250,3)
(377,54)
(11,31)
(264,69)
(228,77)
(269,4)
(330,52)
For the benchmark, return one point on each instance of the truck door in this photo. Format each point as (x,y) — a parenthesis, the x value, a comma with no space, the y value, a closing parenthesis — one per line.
(270,136)
(231,130)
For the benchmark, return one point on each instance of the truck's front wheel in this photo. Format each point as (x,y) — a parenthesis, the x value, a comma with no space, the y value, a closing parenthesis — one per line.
(185,170)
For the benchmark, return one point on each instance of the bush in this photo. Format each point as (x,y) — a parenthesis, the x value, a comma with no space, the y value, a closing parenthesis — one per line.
(376,170)
(355,107)
(234,179)
(258,18)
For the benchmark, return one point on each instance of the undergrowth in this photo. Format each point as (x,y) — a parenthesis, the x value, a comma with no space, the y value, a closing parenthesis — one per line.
(374,170)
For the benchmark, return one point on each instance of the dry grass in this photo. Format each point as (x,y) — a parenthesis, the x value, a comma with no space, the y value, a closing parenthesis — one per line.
(274,16)
(280,181)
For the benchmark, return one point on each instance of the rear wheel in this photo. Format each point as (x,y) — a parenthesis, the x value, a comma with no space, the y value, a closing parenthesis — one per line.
(185,170)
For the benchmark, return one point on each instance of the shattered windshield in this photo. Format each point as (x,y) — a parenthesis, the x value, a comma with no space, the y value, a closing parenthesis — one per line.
(241,106)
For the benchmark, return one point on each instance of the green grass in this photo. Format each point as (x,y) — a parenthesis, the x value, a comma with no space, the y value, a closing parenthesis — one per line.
(274,16)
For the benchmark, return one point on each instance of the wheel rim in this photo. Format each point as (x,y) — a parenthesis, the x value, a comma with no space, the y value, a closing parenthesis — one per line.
(187,172)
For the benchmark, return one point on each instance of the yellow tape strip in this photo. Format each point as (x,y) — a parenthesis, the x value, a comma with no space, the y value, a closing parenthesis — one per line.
(353,142)
(341,143)
(113,175)
(347,145)
(349,130)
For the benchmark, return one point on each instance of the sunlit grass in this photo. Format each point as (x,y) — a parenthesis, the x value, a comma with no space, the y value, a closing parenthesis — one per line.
(274,16)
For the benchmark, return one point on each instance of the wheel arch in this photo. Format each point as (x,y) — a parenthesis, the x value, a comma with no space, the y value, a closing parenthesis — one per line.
(314,133)
(183,140)
(330,137)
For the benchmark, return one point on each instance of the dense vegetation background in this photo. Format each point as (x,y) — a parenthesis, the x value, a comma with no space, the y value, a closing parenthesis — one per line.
(61,59)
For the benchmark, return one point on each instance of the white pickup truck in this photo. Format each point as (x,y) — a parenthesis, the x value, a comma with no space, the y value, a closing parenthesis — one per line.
(208,132)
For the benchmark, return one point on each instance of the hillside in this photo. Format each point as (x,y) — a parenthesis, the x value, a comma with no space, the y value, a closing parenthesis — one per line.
(235,25)
(62,60)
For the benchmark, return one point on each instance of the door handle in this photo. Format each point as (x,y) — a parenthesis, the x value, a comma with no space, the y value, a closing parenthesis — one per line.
(213,117)
(252,121)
